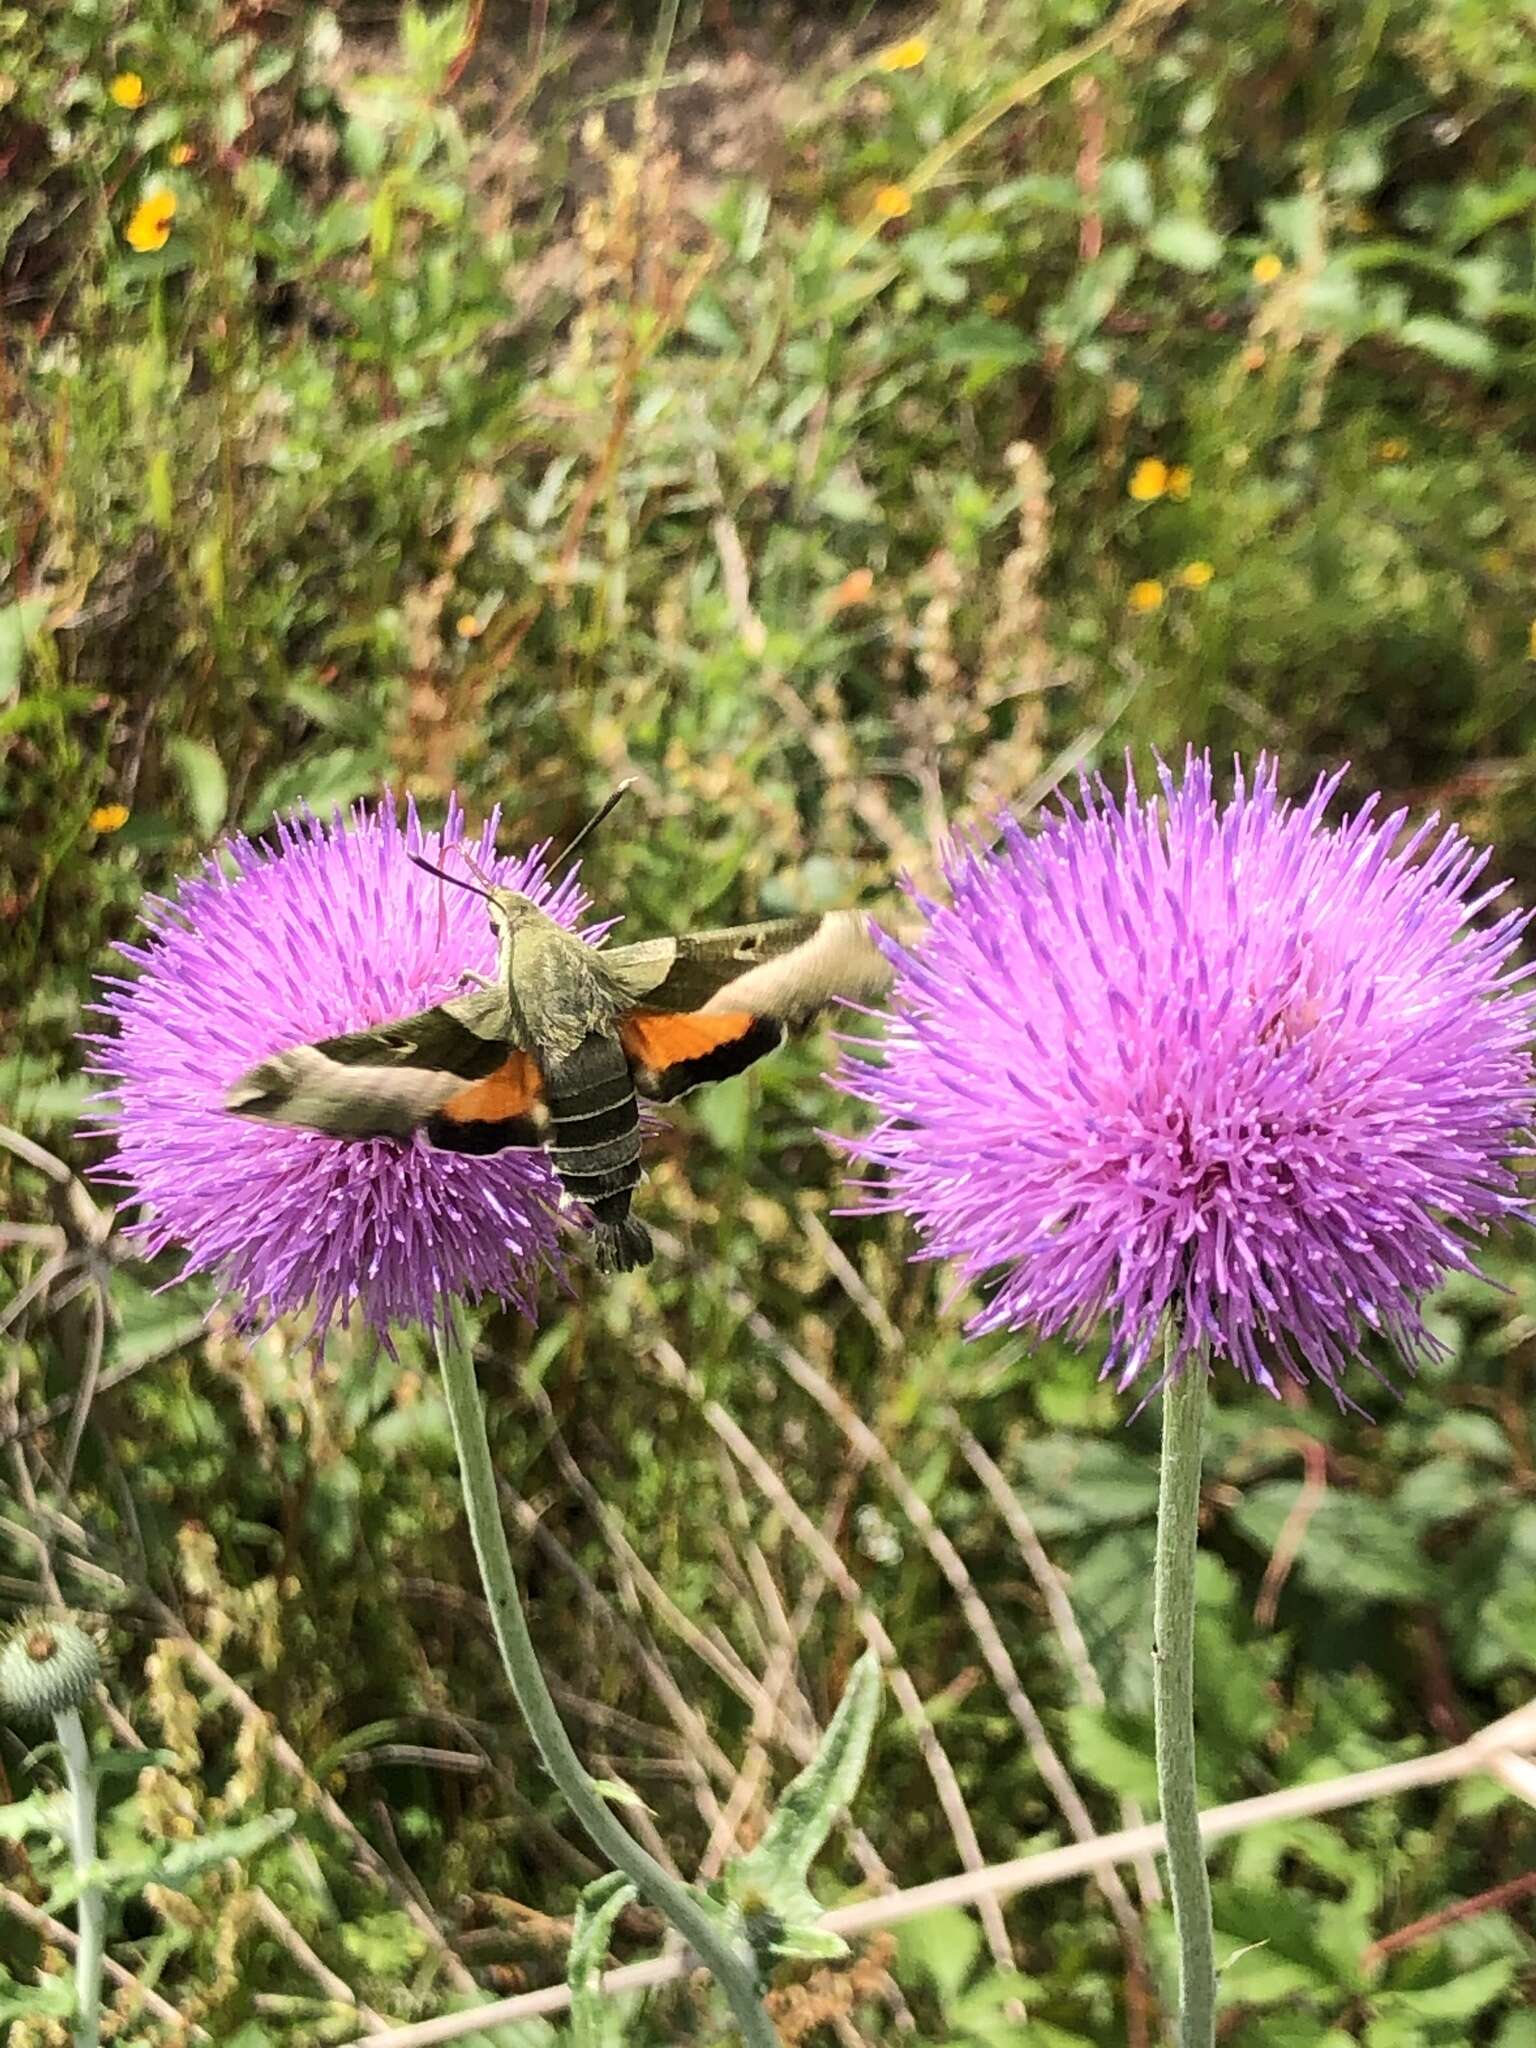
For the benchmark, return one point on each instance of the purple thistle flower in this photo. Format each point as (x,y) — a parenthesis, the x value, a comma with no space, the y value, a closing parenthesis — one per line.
(1227,1062)
(332,930)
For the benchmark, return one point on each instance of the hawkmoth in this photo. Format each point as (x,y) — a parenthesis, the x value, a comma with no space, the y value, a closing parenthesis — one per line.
(559,1048)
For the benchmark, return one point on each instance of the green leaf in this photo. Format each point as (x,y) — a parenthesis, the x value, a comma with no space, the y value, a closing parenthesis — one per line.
(618,1794)
(727,1112)
(1460,1997)
(596,2021)
(773,1874)
(318,780)
(173,1864)
(1448,341)
(1354,1549)
(384,1943)
(187,1859)
(1186,243)
(942,1947)
(1126,187)
(44,1998)
(18,623)
(203,779)
(43,1813)
(161,491)
(806,1942)
(1112,1760)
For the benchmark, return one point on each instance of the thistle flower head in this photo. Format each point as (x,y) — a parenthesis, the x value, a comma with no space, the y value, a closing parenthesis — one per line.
(329,929)
(1224,1063)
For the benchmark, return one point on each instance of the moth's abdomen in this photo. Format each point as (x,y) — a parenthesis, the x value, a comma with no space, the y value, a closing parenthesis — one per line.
(595,1136)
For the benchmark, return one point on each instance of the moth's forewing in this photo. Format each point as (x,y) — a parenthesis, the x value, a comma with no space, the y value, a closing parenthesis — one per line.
(468,1037)
(693,969)
(837,961)
(382,1083)
(307,1090)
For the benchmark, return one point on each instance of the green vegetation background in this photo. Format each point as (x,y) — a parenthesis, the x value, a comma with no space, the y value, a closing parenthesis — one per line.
(839,450)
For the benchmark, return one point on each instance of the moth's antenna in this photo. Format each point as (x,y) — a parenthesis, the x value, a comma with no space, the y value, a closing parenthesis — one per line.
(592,823)
(443,875)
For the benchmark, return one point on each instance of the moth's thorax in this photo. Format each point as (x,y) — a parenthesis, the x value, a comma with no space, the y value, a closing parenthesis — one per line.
(558,992)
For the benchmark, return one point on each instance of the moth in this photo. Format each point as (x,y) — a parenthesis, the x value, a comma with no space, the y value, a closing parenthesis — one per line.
(559,1047)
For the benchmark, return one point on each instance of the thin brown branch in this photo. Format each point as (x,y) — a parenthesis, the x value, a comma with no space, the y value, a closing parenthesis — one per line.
(63,1937)
(936,1541)
(1375,1953)
(934,1756)
(1313,1493)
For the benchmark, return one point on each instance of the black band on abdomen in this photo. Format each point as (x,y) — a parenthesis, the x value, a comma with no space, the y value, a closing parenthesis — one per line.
(595,1118)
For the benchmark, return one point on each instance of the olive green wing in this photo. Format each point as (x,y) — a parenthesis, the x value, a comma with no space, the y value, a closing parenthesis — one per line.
(789,968)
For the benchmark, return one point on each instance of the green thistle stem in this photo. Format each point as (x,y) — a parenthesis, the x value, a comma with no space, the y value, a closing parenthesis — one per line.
(1173,1677)
(91,1906)
(732,1970)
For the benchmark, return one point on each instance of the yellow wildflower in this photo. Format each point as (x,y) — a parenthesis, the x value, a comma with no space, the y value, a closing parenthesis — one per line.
(1149,480)
(855,588)
(1146,596)
(150,227)
(182,153)
(1196,575)
(469,627)
(893,201)
(1391,450)
(1530,644)
(904,56)
(1181,480)
(1267,268)
(109,817)
(127,89)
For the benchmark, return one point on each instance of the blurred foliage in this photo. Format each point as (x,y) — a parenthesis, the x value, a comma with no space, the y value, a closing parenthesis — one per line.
(841,436)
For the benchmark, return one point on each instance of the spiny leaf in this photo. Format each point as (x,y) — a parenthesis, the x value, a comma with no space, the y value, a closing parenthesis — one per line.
(774,1873)
(174,1865)
(44,1813)
(596,2021)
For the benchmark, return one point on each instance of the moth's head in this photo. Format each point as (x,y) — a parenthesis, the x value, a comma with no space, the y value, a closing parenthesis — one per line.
(512,911)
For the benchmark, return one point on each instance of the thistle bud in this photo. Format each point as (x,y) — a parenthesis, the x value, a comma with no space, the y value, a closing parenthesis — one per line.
(47,1667)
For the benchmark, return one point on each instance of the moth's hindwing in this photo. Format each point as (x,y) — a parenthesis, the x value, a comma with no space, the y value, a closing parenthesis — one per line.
(671,1051)
(505,1110)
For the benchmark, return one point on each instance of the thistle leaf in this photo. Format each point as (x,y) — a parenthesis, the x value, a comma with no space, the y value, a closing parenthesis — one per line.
(773,1874)
(596,2022)
(174,1865)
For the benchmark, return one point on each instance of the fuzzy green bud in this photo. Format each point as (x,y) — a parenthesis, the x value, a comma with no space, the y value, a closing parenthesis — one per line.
(47,1667)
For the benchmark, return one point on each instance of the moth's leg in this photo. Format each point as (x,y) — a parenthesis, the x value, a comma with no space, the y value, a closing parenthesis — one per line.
(470,979)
